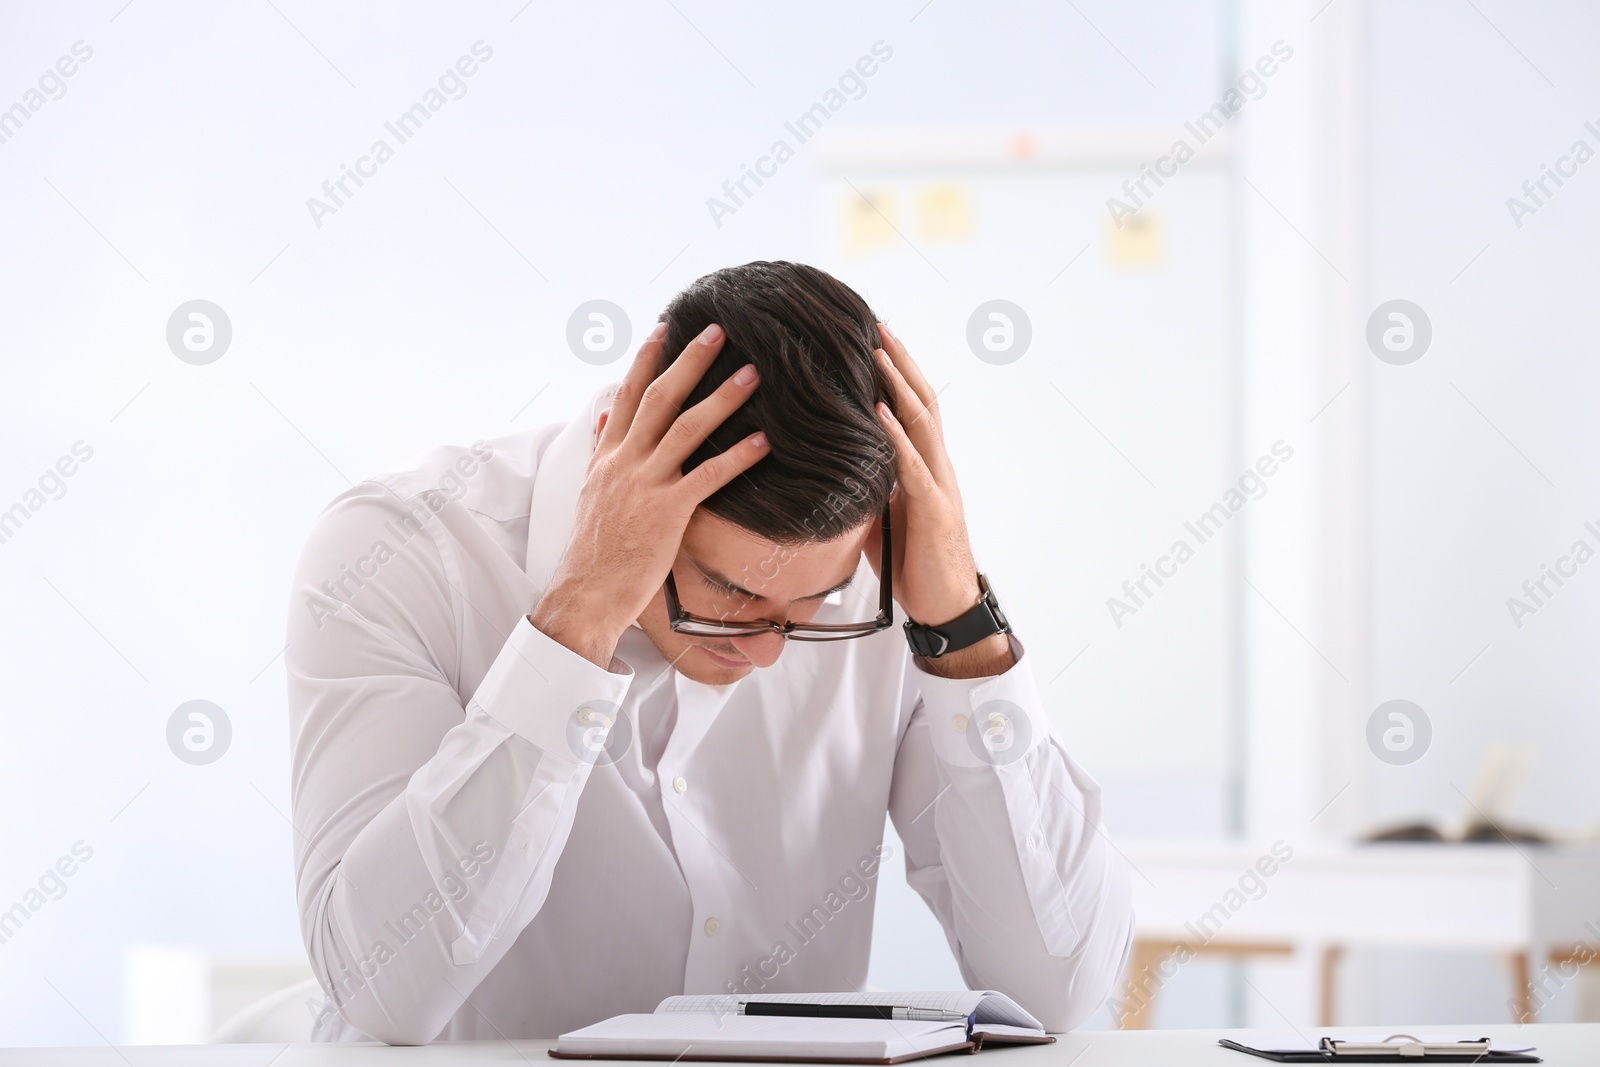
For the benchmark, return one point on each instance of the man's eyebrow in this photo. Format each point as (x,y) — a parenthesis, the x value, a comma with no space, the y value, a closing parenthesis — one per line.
(734,587)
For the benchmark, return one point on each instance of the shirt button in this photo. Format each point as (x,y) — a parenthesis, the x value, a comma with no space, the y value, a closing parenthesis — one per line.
(959,722)
(712,926)
(679,784)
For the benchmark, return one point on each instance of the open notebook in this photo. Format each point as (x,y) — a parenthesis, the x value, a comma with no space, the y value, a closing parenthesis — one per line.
(713,1028)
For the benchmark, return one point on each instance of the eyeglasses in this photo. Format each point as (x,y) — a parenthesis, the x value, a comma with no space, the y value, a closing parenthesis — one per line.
(695,626)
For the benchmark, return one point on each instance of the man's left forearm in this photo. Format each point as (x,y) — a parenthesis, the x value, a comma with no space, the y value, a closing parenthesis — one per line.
(988,657)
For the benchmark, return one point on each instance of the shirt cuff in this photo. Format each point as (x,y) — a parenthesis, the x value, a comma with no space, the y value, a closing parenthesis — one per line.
(552,697)
(985,722)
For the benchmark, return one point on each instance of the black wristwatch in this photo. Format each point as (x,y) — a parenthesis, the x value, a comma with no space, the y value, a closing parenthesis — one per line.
(966,629)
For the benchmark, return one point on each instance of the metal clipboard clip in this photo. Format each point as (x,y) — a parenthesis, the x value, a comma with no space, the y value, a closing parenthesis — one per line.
(1405,1046)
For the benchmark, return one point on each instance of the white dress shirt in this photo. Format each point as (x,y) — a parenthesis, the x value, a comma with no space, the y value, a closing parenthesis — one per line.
(497,838)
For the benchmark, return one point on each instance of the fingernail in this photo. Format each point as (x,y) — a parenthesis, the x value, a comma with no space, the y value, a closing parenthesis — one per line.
(883,328)
(711,334)
(759,440)
(658,333)
(745,375)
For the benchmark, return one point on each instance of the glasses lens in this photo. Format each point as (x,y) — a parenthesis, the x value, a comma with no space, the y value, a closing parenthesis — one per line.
(831,635)
(691,628)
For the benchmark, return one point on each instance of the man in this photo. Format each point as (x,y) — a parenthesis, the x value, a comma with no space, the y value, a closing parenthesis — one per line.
(554,760)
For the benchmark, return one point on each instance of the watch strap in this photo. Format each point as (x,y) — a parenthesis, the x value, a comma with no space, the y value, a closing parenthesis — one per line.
(981,621)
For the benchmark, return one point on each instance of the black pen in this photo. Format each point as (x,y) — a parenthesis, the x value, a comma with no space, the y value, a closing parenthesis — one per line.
(849,1011)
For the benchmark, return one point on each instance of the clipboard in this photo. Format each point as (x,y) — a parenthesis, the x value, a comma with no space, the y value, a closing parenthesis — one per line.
(1395,1049)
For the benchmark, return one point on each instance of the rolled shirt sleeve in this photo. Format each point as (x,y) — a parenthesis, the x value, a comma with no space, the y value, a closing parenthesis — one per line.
(533,680)
(427,826)
(1005,840)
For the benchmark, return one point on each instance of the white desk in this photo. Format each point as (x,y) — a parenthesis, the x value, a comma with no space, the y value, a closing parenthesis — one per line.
(1560,1046)
(1522,901)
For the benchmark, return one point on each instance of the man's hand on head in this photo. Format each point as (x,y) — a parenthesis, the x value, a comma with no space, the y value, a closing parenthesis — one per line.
(636,502)
(935,575)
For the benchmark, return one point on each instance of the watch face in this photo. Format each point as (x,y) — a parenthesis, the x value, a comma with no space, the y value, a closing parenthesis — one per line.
(993,601)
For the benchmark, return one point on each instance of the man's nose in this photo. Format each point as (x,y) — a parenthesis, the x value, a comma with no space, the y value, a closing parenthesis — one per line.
(761,649)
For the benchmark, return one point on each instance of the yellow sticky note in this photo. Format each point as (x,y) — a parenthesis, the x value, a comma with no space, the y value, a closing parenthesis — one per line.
(944,213)
(1136,240)
(867,220)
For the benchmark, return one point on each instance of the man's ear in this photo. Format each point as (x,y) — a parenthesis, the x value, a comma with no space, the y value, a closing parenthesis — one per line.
(872,547)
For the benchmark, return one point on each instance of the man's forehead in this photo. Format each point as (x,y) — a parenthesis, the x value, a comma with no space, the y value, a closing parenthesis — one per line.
(765,581)
(733,556)
(715,532)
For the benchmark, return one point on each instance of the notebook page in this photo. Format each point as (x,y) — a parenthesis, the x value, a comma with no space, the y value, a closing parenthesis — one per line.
(674,1034)
(991,1007)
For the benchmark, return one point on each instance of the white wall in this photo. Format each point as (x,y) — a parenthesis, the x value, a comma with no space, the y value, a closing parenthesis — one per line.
(1481,452)
(1470,503)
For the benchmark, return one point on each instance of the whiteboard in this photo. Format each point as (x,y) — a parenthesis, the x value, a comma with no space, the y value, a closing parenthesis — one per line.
(1080,462)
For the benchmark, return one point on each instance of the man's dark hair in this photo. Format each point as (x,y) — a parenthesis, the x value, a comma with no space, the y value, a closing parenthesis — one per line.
(811,338)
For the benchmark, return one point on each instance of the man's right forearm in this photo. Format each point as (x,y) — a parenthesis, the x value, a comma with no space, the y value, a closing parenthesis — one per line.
(569,615)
